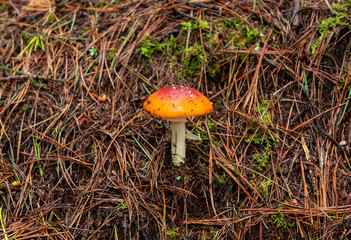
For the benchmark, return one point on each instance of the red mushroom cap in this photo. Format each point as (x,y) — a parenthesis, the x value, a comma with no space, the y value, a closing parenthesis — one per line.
(172,102)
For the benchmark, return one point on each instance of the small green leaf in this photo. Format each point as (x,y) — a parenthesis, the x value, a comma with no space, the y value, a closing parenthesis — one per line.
(186,25)
(93,52)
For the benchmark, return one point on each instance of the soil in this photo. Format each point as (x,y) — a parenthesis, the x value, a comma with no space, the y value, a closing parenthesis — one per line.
(81,159)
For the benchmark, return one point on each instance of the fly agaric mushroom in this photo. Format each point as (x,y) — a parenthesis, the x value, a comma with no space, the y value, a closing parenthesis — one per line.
(176,103)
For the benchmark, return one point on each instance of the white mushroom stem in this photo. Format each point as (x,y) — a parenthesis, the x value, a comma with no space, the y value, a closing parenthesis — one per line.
(178,142)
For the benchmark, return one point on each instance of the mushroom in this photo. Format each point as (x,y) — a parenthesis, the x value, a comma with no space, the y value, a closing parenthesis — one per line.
(175,103)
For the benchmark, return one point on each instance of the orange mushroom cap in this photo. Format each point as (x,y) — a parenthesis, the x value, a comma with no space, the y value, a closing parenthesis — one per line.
(175,102)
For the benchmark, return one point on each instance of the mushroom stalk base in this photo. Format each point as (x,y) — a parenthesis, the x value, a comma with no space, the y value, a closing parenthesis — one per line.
(178,142)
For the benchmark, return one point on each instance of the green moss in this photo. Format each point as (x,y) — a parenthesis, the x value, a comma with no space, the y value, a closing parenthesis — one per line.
(262,159)
(172,234)
(3,8)
(280,221)
(264,185)
(327,24)
(191,57)
(262,136)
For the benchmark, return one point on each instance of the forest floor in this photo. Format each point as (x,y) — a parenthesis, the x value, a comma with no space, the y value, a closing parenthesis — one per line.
(81,159)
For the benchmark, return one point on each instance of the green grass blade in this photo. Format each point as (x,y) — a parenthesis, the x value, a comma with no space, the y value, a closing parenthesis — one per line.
(141,147)
(345,108)
(16,175)
(2,225)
